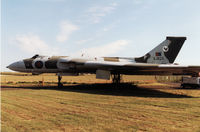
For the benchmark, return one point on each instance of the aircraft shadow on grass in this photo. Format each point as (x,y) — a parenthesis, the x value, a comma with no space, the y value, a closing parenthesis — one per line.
(125,89)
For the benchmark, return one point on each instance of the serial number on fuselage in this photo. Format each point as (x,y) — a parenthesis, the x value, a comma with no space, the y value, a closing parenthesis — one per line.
(158,58)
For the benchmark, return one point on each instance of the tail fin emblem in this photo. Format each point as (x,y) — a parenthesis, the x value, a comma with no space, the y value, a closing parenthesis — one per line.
(165,48)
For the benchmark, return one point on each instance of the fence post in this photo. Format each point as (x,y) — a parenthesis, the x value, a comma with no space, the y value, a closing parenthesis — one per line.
(42,81)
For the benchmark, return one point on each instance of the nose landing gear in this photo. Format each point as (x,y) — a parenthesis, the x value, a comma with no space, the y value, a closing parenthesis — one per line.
(59,80)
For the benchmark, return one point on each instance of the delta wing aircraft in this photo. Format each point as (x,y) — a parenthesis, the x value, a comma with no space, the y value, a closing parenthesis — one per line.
(159,61)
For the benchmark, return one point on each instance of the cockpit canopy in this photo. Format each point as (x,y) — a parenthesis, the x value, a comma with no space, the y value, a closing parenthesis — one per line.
(37,56)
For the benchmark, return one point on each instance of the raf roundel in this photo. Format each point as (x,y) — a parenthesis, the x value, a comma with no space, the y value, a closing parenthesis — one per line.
(38,64)
(165,48)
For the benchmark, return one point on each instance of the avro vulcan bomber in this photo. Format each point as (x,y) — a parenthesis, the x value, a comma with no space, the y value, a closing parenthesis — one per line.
(159,61)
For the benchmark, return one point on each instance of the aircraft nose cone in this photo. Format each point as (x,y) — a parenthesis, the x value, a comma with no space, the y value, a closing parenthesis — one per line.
(17,66)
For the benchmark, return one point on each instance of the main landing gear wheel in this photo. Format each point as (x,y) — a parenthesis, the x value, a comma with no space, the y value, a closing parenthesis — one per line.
(116,78)
(59,81)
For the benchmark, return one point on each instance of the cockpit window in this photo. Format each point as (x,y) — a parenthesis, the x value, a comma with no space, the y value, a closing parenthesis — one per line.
(38,56)
(35,56)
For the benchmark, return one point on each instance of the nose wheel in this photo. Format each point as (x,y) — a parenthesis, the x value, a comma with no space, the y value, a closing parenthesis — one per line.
(116,78)
(59,81)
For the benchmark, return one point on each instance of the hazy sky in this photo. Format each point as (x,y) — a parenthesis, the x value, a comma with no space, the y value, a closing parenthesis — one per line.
(97,28)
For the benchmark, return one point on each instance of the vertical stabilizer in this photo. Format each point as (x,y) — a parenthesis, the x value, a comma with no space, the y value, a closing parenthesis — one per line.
(164,53)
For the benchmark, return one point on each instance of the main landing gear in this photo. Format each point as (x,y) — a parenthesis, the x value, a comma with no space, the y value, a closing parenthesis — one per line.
(116,78)
(59,80)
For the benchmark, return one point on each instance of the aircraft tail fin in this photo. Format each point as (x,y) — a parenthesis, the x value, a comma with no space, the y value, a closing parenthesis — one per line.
(164,53)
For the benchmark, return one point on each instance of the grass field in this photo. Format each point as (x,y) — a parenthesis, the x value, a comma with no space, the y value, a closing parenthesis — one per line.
(150,106)
(14,78)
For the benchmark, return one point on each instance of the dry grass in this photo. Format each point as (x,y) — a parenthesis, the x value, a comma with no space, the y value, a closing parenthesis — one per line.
(98,107)
(52,78)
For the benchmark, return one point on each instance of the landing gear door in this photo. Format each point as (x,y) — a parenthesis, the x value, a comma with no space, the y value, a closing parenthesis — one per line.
(103,74)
